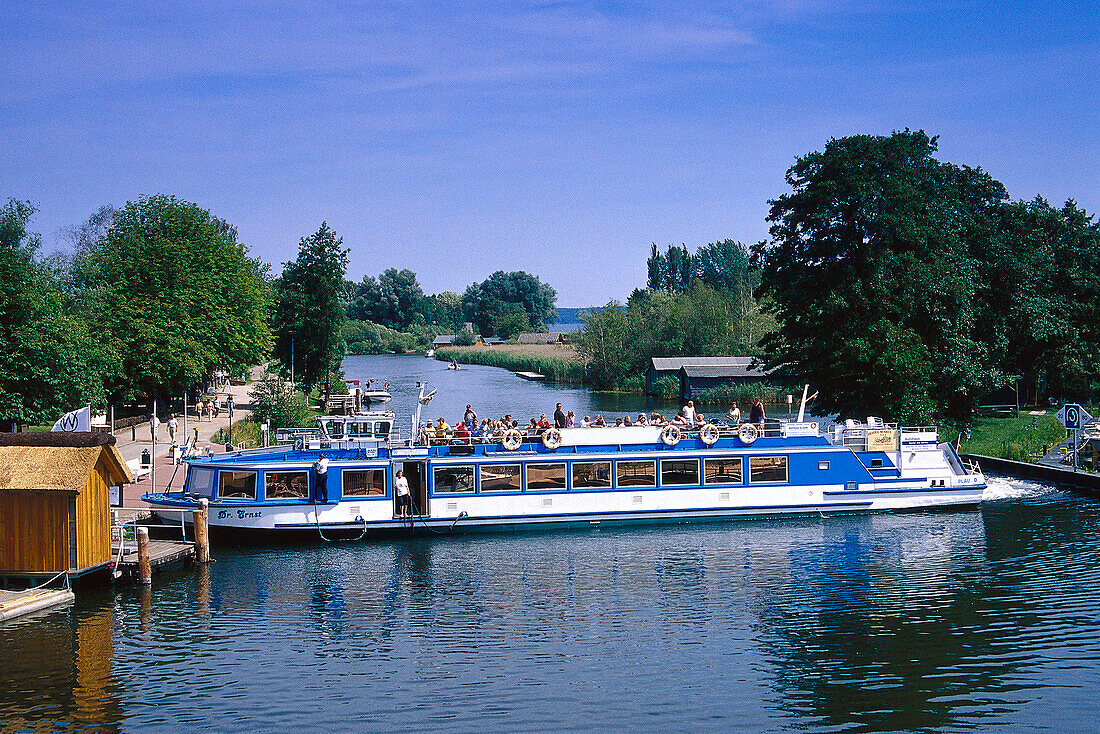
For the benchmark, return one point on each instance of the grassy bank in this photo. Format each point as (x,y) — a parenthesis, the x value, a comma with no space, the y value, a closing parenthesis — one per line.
(559,362)
(1019,439)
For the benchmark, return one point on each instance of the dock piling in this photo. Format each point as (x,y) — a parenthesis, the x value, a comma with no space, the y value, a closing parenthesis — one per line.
(202,533)
(145,569)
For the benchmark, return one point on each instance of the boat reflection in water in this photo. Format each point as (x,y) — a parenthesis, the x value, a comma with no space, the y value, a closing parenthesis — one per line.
(932,620)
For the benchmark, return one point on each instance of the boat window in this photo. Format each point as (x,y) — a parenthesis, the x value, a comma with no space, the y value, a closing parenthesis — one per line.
(286,484)
(240,484)
(500,478)
(335,429)
(767,468)
(636,473)
(381,429)
(723,471)
(363,482)
(591,474)
(679,471)
(546,476)
(452,479)
(200,480)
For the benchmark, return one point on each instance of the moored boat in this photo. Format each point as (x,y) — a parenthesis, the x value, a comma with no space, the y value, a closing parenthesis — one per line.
(574,476)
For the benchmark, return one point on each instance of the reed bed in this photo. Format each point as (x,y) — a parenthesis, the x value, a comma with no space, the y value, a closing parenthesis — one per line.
(558,362)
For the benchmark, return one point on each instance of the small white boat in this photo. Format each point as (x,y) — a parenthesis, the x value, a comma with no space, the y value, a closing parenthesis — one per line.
(376,396)
(430,353)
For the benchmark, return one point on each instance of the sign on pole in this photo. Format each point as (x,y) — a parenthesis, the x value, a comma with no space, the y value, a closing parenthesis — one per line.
(1073,416)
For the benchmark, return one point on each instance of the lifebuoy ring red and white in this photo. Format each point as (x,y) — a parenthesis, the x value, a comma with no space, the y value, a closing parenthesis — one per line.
(709,434)
(670,435)
(748,433)
(512,439)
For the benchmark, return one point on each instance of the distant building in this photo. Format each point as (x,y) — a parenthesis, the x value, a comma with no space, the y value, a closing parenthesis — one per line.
(491,340)
(705,372)
(443,340)
(543,337)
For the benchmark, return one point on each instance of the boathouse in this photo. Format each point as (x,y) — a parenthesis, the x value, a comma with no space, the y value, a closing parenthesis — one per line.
(54,502)
(718,369)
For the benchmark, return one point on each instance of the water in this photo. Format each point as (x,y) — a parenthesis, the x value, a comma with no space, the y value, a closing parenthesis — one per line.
(944,621)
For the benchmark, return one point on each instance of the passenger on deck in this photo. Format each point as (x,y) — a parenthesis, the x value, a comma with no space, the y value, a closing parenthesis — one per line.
(586,422)
(533,427)
(657,419)
(543,422)
(756,412)
(627,421)
(469,415)
(570,420)
(441,429)
(734,414)
(642,421)
(461,433)
(599,422)
(689,413)
(559,417)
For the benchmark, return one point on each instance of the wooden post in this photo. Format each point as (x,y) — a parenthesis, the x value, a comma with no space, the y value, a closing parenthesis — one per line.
(202,534)
(145,569)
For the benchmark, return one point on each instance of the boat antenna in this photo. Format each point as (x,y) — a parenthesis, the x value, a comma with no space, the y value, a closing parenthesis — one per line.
(802,406)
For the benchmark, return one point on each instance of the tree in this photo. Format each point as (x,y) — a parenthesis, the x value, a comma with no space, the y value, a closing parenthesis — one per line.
(308,307)
(872,276)
(274,400)
(49,361)
(173,295)
(485,303)
(604,346)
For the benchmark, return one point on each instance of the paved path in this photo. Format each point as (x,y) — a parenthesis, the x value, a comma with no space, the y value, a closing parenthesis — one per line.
(131,444)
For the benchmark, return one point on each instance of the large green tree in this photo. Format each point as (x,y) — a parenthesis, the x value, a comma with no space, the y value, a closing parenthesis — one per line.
(50,362)
(174,296)
(309,314)
(873,277)
(394,300)
(488,304)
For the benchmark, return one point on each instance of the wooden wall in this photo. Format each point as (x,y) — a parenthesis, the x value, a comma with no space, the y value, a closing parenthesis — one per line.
(93,519)
(34,532)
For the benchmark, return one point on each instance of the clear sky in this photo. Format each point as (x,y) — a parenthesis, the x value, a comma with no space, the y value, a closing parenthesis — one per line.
(561,138)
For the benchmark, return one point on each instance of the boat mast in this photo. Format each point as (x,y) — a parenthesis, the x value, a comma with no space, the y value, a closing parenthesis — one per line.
(802,406)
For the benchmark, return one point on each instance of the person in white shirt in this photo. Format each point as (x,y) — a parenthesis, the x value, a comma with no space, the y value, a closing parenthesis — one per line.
(734,414)
(689,413)
(401,491)
(320,467)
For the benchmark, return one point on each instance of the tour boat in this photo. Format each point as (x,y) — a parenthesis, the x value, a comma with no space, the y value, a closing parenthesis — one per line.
(571,476)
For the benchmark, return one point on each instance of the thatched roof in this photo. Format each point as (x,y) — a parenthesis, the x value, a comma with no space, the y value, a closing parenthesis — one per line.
(58,468)
(82,439)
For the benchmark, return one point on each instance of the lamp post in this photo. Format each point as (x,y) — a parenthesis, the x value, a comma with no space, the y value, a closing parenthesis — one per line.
(292,332)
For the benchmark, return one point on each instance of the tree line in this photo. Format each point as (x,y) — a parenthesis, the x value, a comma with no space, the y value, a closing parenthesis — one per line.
(895,283)
(157,295)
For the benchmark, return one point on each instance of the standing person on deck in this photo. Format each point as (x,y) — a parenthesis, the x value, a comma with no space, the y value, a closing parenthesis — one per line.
(756,412)
(320,468)
(559,417)
(401,489)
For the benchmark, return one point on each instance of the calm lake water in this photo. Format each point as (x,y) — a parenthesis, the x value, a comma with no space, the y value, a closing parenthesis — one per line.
(944,621)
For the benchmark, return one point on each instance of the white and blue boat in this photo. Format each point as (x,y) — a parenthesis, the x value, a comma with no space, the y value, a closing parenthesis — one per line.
(572,477)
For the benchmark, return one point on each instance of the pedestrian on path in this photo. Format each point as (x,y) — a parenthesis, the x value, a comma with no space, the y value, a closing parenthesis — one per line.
(173,424)
(154,422)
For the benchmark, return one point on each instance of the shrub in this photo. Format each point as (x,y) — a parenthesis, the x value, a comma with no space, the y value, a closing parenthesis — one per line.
(274,400)
(666,386)
(464,339)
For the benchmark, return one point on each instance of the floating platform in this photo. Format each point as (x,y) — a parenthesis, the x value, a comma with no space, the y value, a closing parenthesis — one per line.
(533,376)
(18,603)
(163,554)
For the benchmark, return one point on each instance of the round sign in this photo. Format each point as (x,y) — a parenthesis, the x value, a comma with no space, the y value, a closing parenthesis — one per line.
(1073,415)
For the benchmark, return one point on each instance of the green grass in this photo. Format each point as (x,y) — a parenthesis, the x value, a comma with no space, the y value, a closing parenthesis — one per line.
(564,367)
(244,431)
(1020,439)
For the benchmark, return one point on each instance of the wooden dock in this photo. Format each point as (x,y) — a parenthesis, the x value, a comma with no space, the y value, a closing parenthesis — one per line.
(534,376)
(163,554)
(17,603)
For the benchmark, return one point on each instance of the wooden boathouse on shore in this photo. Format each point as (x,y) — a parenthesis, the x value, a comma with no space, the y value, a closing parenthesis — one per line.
(54,502)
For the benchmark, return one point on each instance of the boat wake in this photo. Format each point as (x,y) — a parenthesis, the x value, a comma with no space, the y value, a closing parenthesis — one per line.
(1002,488)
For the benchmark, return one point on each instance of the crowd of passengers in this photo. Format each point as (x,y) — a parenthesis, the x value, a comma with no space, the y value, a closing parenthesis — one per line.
(471,429)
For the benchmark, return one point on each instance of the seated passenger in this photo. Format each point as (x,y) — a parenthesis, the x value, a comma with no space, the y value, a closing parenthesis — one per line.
(570,419)
(533,427)
(642,421)
(627,421)
(441,429)
(461,433)
(657,419)
(681,419)
(543,422)
(599,422)
(618,422)
(586,422)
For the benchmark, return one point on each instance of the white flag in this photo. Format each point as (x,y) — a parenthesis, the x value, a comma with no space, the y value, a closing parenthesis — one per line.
(77,420)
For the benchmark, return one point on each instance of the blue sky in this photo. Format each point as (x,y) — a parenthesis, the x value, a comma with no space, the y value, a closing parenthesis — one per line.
(559,138)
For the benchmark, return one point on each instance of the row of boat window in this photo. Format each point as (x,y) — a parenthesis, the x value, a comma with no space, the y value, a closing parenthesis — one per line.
(598,474)
(457,479)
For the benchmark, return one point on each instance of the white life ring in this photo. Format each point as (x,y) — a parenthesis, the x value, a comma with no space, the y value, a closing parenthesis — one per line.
(709,434)
(512,439)
(670,435)
(748,433)
(551,438)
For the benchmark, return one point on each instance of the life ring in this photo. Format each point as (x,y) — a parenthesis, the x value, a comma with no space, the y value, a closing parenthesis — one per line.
(748,433)
(709,434)
(551,438)
(670,435)
(512,439)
